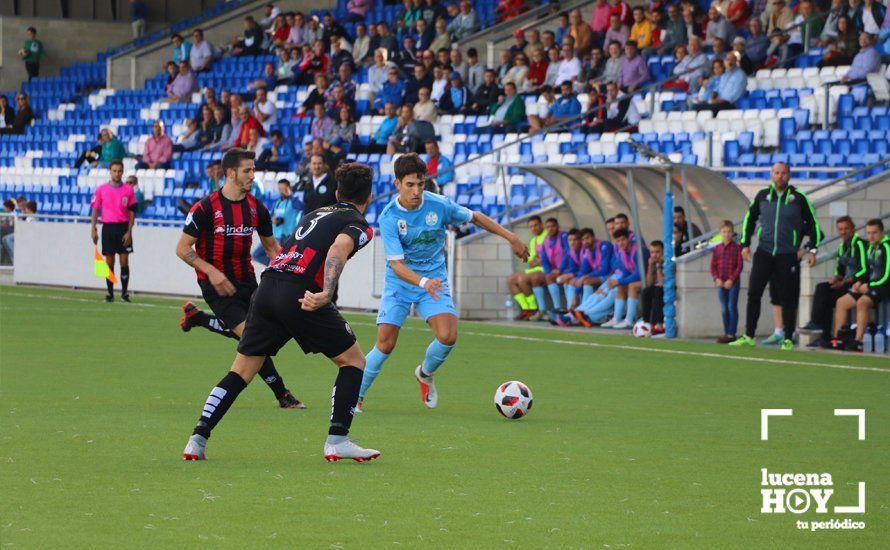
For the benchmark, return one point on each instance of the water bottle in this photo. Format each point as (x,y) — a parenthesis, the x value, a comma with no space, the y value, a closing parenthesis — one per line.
(880,342)
(868,342)
(509,305)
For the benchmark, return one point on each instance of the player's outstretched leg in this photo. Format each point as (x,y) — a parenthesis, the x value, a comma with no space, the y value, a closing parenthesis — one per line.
(218,402)
(194,317)
(387,336)
(445,328)
(343,402)
(270,376)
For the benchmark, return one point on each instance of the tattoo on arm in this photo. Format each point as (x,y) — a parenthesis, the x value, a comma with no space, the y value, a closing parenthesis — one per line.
(190,257)
(333,267)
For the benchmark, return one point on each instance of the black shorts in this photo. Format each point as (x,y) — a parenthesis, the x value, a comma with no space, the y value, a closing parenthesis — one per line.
(879,294)
(113,239)
(275,317)
(231,310)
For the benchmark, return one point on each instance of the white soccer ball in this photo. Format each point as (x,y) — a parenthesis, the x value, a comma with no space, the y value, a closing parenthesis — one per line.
(513,399)
(642,329)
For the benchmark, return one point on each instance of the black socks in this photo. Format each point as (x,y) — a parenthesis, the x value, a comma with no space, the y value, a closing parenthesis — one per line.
(213,324)
(218,402)
(344,399)
(125,279)
(271,377)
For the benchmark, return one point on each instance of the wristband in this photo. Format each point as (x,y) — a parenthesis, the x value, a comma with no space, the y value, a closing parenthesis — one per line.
(813,251)
(423,282)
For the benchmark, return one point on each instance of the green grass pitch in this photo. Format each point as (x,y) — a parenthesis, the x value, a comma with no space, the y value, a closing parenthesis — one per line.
(630,443)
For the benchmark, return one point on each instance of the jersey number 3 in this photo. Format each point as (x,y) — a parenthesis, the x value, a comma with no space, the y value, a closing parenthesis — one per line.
(303,232)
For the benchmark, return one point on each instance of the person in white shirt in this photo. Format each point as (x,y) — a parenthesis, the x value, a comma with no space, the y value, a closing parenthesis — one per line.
(439,84)
(264,110)
(201,53)
(570,66)
(379,71)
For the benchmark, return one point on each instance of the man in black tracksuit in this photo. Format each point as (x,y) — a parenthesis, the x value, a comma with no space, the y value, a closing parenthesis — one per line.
(786,217)
(850,268)
(872,289)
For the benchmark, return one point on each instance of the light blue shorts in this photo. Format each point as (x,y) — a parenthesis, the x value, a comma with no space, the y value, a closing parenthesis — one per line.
(398,299)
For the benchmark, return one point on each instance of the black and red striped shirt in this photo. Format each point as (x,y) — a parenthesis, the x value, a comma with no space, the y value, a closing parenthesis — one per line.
(304,253)
(224,230)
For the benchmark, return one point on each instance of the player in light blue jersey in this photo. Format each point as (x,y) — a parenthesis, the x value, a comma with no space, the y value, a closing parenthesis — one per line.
(413,229)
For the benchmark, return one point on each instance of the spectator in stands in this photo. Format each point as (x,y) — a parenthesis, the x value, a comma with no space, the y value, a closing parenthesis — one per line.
(566,105)
(255,142)
(533,42)
(141,203)
(679,73)
(420,79)
(181,49)
(622,9)
(581,32)
(611,118)
(517,74)
(441,38)
(779,17)
(737,13)
(457,99)
(251,43)
(201,53)
(553,62)
(298,31)
(487,94)
(381,135)
(158,149)
(508,9)
(361,48)
(562,27)
(32,52)
(438,166)
(570,66)
(634,71)
(7,231)
(642,30)
(424,34)
(410,134)
(406,58)
(652,297)
(346,81)
(718,28)
(757,44)
(688,231)
(870,290)
(138,13)
(843,47)
(271,12)
(268,79)
(172,72)
(733,85)
(277,156)
(342,134)
(505,64)
(392,91)
(868,60)
(829,29)
(612,67)
(314,31)
(475,71)
(264,110)
(318,189)
(284,69)
(191,139)
(425,108)
(457,63)
(378,72)
(693,28)
(112,149)
(617,32)
(332,28)
(673,32)
(726,271)
(709,85)
(851,267)
(386,40)
(871,17)
(7,113)
(222,130)
(599,21)
(21,119)
(321,122)
(542,107)
(745,63)
(210,131)
(183,86)
(537,72)
(248,123)
(314,62)
(509,112)
(90,155)
(465,23)
(339,55)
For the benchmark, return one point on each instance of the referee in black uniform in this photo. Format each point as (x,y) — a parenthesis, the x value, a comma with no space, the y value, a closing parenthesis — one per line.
(786,218)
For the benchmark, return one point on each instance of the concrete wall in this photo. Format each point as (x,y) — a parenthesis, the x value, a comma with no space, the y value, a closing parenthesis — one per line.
(65,41)
(150,60)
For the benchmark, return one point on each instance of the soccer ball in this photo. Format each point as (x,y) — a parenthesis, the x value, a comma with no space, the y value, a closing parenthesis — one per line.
(513,399)
(642,329)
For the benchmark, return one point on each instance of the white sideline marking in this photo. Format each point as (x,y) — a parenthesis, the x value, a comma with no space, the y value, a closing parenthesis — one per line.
(532,339)
(764,420)
(860,413)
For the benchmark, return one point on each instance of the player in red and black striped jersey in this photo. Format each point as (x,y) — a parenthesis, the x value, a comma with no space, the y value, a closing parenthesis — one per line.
(216,241)
(294,301)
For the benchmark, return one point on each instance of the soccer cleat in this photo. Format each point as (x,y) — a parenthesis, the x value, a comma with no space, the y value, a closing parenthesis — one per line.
(537,316)
(625,324)
(428,393)
(819,343)
(194,449)
(109,298)
(348,449)
(610,323)
(744,341)
(772,340)
(583,319)
(189,311)
(125,298)
(288,401)
(810,327)
(360,406)
(566,320)
(787,345)
(855,347)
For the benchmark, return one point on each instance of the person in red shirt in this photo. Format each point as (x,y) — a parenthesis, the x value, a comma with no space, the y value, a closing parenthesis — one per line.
(622,10)
(248,123)
(737,13)
(726,270)
(537,71)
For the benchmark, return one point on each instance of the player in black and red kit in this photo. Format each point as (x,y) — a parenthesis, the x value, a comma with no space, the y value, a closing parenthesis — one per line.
(294,301)
(216,241)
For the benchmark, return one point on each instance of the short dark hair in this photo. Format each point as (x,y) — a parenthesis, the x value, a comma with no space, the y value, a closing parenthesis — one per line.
(845,219)
(610,220)
(535,218)
(32,29)
(631,43)
(551,219)
(32,206)
(284,180)
(574,232)
(587,231)
(116,162)
(877,222)
(679,210)
(472,52)
(729,224)
(408,164)
(354,182)
(620,233)
(213,163)
(9,203)
(199,31)
(657,244)
(177,35)
(234,156)
(277,133)
(621,215)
